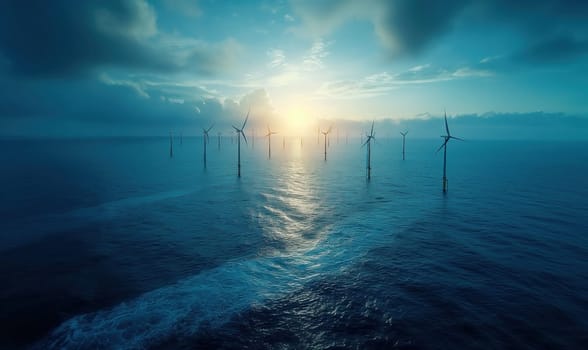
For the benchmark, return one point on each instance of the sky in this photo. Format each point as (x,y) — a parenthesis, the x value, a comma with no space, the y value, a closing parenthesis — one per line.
(140,68)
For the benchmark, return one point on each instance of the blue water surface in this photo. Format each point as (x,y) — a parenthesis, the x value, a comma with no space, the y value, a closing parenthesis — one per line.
(110,243)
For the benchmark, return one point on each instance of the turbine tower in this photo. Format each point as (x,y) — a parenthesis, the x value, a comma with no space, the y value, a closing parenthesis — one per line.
(239,133)
(269,141)
(205,140)
(371,136)
(444,146)
(403,143)
(326,133)
(219,139)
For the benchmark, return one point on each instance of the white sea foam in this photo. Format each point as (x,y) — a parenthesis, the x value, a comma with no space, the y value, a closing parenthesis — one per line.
(212,297)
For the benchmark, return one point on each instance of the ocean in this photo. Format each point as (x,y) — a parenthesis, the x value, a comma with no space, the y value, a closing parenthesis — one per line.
(112,244)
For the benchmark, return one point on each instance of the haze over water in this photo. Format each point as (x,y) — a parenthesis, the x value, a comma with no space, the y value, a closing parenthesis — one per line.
(109,243)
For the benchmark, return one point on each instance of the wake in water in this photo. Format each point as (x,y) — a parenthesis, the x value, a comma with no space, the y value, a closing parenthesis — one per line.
(212,297)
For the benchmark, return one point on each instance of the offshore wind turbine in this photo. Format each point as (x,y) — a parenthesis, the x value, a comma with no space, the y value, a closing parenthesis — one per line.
(403,141)
(239,133)
(326,133)
(444,146)
(269,141)
(219,139)
(205,139)
(371,136)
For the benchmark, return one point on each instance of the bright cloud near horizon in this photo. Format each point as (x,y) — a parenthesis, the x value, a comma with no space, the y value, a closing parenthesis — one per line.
(138,67)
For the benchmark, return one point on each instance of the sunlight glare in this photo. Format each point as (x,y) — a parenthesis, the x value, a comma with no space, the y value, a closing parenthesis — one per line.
(297,122)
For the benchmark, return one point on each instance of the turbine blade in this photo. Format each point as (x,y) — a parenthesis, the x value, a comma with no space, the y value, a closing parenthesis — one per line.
(443,145)
(247,117)
(446,125)
(457,138)
(242,133)
(210,128)
(372,131)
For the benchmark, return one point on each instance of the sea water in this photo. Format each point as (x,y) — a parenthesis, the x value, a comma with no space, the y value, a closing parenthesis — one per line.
(110,243)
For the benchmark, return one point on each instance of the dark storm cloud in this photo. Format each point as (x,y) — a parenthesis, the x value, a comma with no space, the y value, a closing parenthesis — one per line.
(404,27)
(62,38)
(407,27)
(559,49)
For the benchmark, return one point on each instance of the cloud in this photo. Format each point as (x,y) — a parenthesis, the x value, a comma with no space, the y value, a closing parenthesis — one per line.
(277,58)
(115,107)
(475,127)
(187,8)
(384,82)
(71,38)
(140,90)
(557,49)
(409,27)
(314,59)
(404,27)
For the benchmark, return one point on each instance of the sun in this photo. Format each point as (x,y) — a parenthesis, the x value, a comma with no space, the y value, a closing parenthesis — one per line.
(297,121)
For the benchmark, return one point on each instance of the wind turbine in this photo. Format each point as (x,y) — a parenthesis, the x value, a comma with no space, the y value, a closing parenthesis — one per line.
(368,142)
(269,142)
(403,139)
(239,133)
(326,133)
(219,139)
(205,139)
(171,145)
(444,146)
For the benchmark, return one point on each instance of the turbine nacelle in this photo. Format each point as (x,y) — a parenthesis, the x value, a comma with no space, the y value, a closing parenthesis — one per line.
(371,136)
(270,132)
(448,136)
(205,132)
(327,132)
